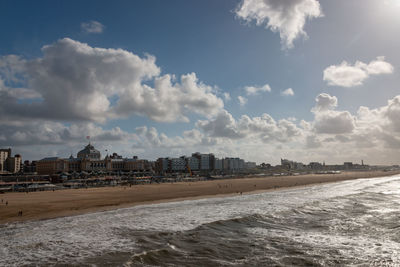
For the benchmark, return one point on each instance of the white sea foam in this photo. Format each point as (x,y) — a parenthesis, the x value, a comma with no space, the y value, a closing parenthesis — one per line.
(72,239)
(352,248)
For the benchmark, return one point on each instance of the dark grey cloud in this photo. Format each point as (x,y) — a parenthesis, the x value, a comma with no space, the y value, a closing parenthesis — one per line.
(55,133)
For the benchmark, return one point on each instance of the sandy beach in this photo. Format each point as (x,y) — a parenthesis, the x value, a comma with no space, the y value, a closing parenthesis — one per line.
(52,204)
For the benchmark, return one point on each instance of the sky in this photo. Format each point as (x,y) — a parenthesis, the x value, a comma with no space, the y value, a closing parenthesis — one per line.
(307,80)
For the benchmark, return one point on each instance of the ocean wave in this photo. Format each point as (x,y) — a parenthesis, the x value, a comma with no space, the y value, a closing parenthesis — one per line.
(345,223)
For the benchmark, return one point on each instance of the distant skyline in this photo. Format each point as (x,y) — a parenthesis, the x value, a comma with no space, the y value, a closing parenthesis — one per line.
(306,80)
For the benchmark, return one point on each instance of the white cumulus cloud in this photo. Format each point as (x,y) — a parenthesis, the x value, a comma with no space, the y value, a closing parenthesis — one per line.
(10,68)
(288,92)
(242,100)
(287,17)
(78,82)
(92,27)
(334,135)
(223,125)
(263,128)
(347,75)
(334,122)
(255,90)
(325,102)
(327,119)
(227,96)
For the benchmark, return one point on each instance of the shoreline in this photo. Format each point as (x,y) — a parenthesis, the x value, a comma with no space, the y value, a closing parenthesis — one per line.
(44,205)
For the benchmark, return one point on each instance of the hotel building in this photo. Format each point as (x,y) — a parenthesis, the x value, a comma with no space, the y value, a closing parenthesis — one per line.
(89,160)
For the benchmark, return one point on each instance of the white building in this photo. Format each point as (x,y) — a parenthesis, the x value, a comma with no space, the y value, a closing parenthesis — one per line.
(233,164)
(292,165)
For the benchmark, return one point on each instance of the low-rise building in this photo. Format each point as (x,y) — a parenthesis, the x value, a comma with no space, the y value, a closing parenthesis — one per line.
(29,167)
(348,165)
(137,165)
(51,165)
(315,166)
(292,165)
(250,165)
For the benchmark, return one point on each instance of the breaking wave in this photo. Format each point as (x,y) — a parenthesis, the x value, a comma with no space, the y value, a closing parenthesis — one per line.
(347,223)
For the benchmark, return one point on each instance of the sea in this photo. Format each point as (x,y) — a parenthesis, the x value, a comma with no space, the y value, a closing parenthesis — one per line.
(350,223)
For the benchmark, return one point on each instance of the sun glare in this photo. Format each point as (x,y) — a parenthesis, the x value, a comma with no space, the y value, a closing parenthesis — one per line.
(392,3)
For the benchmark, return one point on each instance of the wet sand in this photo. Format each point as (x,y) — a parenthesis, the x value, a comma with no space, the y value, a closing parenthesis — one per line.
(59,203)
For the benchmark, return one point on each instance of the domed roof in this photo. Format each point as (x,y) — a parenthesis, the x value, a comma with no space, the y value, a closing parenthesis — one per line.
(89,152)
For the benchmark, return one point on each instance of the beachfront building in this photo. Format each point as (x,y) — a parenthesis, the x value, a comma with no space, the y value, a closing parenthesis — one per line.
(193,163)
(218,164)
(292,165)
(89,160)
(89,152)
(74,164)
(348,165)
(162,165)
(4,154)
(201,164)
(178,164)
(9,164)
(315,165)
(29,167)
(233,164)
(14,163)
(97,165)
(206,161)
(136,165)
(250,165)
(51,165)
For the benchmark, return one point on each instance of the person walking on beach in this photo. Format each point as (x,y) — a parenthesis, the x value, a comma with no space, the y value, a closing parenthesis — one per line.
(6,203)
